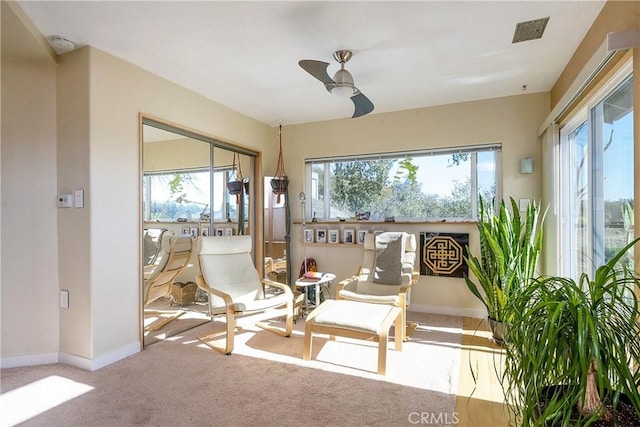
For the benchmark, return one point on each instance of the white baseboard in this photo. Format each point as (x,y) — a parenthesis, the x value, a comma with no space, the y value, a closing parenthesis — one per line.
(102,361)
(71,359)
(29,360)
(479,313)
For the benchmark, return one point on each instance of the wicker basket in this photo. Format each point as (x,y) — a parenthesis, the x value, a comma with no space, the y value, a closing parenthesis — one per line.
(184,293)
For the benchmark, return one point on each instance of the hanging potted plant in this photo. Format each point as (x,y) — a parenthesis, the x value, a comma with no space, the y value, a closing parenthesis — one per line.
(280,182)
(235,183)
(509,249)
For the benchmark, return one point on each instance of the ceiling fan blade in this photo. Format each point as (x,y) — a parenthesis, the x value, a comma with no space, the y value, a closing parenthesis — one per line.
(317,69)
(362,104)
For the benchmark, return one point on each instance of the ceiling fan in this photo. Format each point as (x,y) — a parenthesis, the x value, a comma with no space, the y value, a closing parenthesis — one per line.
(342,82)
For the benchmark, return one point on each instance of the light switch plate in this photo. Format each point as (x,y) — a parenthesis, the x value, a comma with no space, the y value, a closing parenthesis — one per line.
(79,198)
(64,298)
(523,204)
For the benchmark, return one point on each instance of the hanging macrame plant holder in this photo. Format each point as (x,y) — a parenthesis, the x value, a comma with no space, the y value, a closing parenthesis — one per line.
(280,182)
(235,184)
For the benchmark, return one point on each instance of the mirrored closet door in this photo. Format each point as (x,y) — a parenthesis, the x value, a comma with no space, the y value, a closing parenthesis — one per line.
(192,186)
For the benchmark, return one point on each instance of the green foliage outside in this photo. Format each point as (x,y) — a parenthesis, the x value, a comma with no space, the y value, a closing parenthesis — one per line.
(365,186)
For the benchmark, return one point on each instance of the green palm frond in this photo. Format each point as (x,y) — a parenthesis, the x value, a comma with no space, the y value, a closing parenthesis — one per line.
(564,326)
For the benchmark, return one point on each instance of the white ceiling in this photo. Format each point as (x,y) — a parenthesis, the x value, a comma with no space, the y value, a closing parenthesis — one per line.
(407,55)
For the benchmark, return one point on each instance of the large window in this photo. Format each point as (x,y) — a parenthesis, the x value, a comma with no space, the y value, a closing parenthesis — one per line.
(597,181)
(420,186)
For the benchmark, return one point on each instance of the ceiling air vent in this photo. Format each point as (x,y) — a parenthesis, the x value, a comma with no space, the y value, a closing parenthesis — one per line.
(529,30)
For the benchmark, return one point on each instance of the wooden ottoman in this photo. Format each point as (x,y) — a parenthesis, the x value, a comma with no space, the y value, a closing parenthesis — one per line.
(353,319)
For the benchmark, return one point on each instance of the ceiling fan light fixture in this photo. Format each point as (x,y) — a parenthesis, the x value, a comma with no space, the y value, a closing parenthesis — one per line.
(343,91)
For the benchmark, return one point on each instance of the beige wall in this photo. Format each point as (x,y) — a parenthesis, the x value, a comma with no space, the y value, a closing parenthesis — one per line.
(118,93)
(183,153)
(29,274)
(512,121)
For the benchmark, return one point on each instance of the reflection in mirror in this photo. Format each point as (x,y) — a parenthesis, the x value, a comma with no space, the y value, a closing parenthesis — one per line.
(184,192)
(275,233)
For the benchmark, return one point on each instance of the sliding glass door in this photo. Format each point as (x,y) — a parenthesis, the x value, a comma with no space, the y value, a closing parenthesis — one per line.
(597,181)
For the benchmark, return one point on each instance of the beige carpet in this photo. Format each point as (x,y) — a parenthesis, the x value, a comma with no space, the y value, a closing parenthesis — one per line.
(162,321)
(182,382)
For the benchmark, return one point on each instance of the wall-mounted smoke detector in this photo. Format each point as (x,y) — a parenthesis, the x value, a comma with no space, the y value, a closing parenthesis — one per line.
(61,45)
(529,30)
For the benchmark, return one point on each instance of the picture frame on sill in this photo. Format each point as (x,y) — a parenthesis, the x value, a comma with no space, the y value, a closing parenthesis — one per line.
(186,231)
(204,231)
(361,236)
(308,236)
(228,231)
(220,232)
(321,235)
(334,236)
(194,232)
(348,236)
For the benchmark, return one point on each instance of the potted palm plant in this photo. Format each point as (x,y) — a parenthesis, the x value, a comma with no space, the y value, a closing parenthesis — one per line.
(509,249)
(573,349)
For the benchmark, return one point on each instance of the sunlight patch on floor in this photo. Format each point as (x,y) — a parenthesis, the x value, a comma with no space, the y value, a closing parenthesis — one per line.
(37,397)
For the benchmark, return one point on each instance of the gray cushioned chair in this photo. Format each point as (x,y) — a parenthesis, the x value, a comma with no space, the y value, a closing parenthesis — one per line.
(386,274)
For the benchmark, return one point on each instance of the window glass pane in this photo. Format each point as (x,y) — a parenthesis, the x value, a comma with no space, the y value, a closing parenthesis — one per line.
(597,165)
(579,201)
(615,122)
(219,189)
(486,172)
(359,186)
(317,180)
(416,186)
(178,195)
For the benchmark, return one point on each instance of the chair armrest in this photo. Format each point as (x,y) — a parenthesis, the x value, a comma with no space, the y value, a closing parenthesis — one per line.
(346,283)
(278,285)
(415,276)
(202,284)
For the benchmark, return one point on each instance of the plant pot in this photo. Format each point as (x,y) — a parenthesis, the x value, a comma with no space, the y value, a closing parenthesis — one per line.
(234,187)
(625,414)
(498,329)
(279,185)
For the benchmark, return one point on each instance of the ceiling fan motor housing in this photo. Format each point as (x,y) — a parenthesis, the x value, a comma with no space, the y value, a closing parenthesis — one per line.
(343,78)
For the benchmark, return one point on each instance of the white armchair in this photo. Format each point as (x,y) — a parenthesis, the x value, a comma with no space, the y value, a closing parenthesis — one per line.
(235,288)
(386,274)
